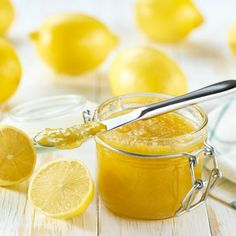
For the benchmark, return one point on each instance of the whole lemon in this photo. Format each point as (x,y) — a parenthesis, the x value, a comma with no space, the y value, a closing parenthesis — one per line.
(145,69)
(232,38)
(167,20)
(73,43)
(10,70)
(6,15)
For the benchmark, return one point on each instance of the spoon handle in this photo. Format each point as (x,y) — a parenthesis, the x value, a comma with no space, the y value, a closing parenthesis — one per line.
(198,96)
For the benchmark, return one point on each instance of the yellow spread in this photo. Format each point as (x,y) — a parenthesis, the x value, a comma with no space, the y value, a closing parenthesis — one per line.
(69,138)
(147,187)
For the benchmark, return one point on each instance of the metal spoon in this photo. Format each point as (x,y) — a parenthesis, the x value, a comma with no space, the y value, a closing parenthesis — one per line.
(201,95)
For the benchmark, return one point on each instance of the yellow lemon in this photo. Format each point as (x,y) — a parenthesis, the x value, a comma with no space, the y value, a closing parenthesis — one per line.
(167,20)
(232,38)
(17,156)
(10,70)
(145,69)
(6,15)
(62,189)
(73,43)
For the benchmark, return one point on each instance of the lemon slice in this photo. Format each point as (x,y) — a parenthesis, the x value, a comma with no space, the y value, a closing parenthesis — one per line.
(62,189)
(17,156)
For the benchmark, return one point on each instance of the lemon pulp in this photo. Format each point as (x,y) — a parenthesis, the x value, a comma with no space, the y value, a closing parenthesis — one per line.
(17,156)
(62,189)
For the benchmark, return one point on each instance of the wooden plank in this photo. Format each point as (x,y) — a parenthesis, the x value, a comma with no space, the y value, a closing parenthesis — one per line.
(194,223)
(222,218)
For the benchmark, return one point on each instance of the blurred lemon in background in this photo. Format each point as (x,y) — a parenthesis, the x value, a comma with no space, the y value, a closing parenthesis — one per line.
(167,20)
(6,15)
(232,38)
(10,70)
(145,69)
(73,43)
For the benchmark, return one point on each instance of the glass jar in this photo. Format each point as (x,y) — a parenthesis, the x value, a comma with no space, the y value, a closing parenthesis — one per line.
(50,112)
(151,185)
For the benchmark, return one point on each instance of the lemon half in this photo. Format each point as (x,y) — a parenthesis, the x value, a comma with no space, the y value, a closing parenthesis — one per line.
(62,189)
(17,156)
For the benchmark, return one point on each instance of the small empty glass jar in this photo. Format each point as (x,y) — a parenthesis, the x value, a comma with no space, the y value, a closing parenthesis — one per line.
(49,112)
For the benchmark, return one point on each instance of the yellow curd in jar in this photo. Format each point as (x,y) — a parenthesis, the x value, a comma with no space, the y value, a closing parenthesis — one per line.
(133,180)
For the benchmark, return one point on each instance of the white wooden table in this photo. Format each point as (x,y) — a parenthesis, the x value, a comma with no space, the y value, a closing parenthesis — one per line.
(204,57)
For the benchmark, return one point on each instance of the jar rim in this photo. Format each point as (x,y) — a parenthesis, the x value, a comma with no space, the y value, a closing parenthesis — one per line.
(133,95)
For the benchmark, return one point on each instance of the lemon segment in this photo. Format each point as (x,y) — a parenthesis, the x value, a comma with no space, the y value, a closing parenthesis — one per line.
(73,43)
(62,189)
(17,156)
(6,15)
(145,69)
(232,39)
(10,70)
(167,21)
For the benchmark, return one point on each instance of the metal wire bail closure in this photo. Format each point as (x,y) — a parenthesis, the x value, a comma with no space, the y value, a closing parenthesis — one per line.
(89,116)
(198,185)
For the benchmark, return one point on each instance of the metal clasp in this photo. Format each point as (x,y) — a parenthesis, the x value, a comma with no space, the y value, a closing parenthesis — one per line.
(89,116)
(198,184)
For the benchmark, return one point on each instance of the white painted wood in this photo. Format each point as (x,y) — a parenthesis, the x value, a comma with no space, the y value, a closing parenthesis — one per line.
(19,218)
(222,218)
(193,223)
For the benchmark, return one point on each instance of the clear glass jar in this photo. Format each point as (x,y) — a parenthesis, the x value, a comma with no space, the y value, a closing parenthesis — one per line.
(149,185)
(50,112)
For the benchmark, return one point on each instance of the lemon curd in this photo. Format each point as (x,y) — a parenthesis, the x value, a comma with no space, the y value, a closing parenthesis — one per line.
(69,138)
(137,177)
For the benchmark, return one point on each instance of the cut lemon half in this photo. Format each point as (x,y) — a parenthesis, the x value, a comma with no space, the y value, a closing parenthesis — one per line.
(17,156)
(61,189)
